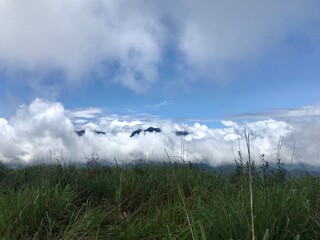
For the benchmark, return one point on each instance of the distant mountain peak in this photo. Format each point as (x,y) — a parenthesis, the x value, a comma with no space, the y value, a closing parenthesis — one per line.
(182,133)
(149,129)
(153,129)
(82,132)
(136,132)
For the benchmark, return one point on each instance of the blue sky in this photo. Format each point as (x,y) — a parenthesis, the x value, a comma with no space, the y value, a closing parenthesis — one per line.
(277,69)
(274,82)
(185,61)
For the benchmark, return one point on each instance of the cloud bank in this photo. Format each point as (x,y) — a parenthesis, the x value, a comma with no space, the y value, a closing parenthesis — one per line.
(127,41)
(42,131)
(81,37)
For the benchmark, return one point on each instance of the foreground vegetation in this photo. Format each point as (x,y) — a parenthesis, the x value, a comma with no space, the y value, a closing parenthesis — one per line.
(153,201)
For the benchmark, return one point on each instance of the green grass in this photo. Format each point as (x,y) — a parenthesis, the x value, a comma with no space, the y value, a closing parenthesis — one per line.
(153,201)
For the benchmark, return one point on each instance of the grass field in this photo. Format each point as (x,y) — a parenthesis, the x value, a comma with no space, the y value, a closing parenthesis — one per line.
(153,201)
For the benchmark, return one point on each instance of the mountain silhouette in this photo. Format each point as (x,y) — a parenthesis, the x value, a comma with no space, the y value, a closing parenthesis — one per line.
(182,133)
(149,129)
(136,132)
(81,133)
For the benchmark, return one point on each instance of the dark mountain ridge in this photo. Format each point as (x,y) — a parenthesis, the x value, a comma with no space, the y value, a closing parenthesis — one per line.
(82,132)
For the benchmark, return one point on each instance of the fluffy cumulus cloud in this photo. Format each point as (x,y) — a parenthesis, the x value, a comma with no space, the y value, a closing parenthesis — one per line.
(36,129)
(222,32)
(127,40)
(43,131)
(78,37)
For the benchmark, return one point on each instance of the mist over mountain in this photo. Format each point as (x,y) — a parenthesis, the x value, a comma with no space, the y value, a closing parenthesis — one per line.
(159,79)
(44,130)
(135,132)
(149,129)
(83,132)
(182,133)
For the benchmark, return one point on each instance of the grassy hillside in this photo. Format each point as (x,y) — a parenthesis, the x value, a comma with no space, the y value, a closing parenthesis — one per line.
(151,201)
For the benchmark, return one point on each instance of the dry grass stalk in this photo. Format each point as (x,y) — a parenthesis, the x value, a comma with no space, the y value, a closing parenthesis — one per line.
(247,136)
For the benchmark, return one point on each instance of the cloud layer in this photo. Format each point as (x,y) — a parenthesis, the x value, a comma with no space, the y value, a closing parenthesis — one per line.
(43,131)
(126,41)
(78,37)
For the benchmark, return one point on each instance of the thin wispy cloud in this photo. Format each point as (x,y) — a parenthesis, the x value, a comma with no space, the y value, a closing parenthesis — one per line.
(85,113)
(161,104)
(294,113)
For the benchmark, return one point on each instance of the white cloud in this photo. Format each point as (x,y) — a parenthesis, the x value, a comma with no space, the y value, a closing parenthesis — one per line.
(9,143)
(78,37)
(218,33)
(293,113)
(307,111)
(126,40)
(306,139)
(80,121)
(85,113)
(44,128)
